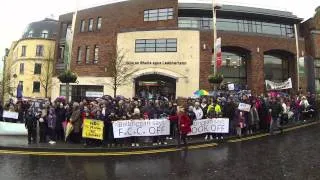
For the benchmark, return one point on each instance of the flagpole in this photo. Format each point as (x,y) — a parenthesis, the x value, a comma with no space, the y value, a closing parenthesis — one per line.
(74,18)
(214,20)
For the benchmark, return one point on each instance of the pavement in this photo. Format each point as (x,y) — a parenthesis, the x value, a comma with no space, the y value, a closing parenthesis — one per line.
(19,143)
(293,155)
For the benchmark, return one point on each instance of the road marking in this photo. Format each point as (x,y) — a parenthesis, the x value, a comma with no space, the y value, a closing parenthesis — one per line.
(268,134)
(155,151)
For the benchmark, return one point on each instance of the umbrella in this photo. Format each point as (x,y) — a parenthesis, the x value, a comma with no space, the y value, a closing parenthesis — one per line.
(201,92)
(69,129)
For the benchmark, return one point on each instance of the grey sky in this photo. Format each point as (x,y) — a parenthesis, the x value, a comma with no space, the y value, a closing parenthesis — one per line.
(17,14)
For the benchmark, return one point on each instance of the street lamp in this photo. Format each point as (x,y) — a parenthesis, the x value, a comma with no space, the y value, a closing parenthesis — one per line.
(215,6)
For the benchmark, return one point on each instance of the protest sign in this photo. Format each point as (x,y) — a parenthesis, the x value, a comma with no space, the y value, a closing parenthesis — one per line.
(12,115)
(92,129)
(278,86)
(133,128)
(244,107)
(215,125)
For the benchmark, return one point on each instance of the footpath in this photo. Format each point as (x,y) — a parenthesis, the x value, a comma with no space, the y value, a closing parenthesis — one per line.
(19,143)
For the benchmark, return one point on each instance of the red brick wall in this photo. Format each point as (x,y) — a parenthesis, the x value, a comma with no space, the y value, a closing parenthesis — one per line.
(116,17)
(250,42)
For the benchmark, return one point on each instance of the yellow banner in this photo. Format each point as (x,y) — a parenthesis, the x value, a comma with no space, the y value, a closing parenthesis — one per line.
(92,129)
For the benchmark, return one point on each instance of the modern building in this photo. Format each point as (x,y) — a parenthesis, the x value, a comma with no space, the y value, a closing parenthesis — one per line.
(170,46)
(311,31)
(30,60)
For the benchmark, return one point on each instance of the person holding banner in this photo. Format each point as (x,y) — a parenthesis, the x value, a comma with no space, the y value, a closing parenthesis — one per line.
(184,125)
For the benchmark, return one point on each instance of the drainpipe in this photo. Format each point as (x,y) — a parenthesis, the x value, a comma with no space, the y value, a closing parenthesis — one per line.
(298,54)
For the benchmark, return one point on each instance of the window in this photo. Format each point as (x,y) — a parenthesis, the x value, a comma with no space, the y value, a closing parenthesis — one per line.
(21,82)
(61,53)
(90,26)
(79,57)
(63,90)
(317,74)
(23,51)
(96,54)
(37,68)
(44,34)
(99,23)
(21,70)
(156,45)
(87,54)
(275,68)
(158,14)
(234,67)
(36,86)
(30,34)
(39,50)
(82,25)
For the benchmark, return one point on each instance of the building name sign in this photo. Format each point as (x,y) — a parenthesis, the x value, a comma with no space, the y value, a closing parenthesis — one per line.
(156,63)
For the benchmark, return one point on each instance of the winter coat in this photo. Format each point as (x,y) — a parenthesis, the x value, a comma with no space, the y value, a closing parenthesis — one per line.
(76,120)
(276,109)
(51,119)
(204,108)
(31,121)
(60,117)
(184,123)
(229,110)
(198,112)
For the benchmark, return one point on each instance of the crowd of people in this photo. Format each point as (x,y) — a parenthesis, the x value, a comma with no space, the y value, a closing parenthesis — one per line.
(266,114)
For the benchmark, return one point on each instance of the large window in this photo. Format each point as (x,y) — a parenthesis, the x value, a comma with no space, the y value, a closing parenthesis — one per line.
(36,87)
(37,68)
(156,45)
(317,74)
(44,34)
(99,23)
(39,50)
(240,25)
(158,14)
(79,57)
(82,25)
(23,51)
(21,70)
(96,54)
(276,69)
(87,54)
(90,26)
(234,67)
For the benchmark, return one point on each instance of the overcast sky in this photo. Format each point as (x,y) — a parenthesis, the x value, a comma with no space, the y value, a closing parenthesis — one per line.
(17,14)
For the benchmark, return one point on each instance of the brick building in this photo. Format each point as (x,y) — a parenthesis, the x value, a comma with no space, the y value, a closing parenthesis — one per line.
(311,32)
(170,44)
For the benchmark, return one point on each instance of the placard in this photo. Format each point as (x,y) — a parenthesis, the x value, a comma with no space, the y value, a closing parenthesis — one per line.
(9,114)
(215,125)
(244,107)
(135,128)
(92,129)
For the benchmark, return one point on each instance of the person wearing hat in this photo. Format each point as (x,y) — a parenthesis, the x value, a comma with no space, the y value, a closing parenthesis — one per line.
(31,126)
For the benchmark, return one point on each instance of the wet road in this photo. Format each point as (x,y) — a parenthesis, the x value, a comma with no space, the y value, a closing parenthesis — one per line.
(294,155)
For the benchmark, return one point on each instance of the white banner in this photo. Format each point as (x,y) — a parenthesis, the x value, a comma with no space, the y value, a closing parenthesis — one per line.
(7,128)
(278,86)
(12,115)
(216,125)
(94,94)
(231,87)
(135,128)
(244,107)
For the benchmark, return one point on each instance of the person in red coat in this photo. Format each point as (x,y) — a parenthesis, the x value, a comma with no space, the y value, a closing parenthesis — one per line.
(184,125)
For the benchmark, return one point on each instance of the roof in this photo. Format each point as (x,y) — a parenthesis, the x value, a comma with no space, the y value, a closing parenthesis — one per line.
(240,9)
(38,27)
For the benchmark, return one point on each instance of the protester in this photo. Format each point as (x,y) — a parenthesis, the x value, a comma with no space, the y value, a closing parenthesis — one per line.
(184,125)
(76,121)
(31,126)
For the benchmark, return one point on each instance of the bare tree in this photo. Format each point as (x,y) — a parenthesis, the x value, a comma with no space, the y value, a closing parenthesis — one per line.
(8,75)
(119,70)
(45,78)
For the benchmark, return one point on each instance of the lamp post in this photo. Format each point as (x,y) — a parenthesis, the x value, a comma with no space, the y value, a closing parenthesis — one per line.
(215,6)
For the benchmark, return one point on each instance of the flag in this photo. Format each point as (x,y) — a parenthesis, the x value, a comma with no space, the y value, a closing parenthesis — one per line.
(219,53)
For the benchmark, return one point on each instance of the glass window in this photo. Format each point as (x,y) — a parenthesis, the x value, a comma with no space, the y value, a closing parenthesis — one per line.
(227,24)
(21,82)
(99,23)
(234,68)
(317,74)
(275,68)
(156,45)
(90,26)
(63,90)
(36,86)
(61,53)
(96,54)
(79,57)
(23,51)
(21,70)
(30,34)
(158,14)
(87,54)
(39,50)
(82,25)
(37,68)
(44,34)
